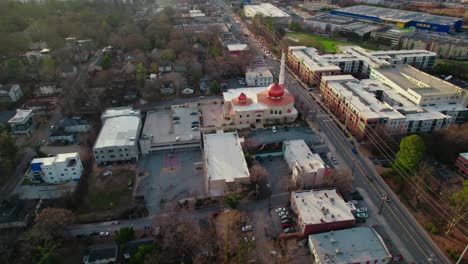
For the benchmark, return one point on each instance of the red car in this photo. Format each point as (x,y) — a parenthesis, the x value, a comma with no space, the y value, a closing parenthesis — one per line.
(286,225)
(215,214)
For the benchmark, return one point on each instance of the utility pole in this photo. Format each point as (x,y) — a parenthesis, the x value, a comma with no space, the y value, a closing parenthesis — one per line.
(269,198)
(384,198)
(352,170)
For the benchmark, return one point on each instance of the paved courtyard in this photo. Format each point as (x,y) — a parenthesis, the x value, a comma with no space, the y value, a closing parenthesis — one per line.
(278,174)
(170,177)
(266,136)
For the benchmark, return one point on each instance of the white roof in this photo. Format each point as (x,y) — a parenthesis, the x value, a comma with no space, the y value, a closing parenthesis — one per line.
(20,116)
(265,9)
(237,47)
(300,152)
(354,245)
(120,128)
(61,157)
(464,155)
(311,58)
(224,157)
(319,206)
(258,72)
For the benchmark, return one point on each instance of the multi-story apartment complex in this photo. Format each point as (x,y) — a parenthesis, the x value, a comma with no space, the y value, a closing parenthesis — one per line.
(462,163)
(61,168)
(446,46)
(367,104)
(306,62)
(310,66)
(118,138)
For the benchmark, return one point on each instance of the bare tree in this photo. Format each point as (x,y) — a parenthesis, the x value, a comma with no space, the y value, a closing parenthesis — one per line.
(339,179)
(51,222)
(258,173)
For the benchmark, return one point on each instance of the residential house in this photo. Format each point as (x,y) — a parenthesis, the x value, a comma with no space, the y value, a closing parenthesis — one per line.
(10,93)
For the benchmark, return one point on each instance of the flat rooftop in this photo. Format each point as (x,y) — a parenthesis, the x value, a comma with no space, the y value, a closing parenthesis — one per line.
(420,82)
(21,116)
(266,9)
(165,126)
(224,157)
(258,72)
(321,206)
(354,245)
(334,19)
(120,128)
(356,94)
(301,153)
(58,158)
(237,47)
(102,252)
(310,57)
(461,39)
(398,15)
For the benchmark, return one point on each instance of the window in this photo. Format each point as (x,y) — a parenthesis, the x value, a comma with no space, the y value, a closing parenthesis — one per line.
(120,149)
(240,116)
(125,149)
(50,173)
(73,169)
(112,156)
(74,173)
(248,115)
(110,151)
(61,174)
(66,170)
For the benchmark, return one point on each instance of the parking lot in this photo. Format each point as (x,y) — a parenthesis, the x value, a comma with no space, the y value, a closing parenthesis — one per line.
(170,177)
(267,136)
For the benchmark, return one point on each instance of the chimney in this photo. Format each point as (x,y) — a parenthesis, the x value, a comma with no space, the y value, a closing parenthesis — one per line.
(283,65)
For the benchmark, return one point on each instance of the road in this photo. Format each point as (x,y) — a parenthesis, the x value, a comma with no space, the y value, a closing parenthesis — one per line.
(13,181)
(405,232)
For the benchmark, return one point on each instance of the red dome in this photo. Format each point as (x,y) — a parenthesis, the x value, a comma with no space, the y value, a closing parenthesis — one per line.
(275,90)
(242,97)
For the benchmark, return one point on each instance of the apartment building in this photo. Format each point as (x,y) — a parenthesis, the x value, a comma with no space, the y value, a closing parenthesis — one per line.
(63,167)
(260,76)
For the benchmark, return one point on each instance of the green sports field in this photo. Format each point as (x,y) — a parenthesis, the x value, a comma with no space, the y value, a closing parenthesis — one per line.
(326,45)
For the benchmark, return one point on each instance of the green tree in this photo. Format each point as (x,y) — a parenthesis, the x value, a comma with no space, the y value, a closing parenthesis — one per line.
(232,201)
(124,234)
(14,69)
(459,201)
(215,87)
(168,54)
(106,61)
(142,252)
(47,253)
(410,154)
(215,51)
(141,73)
(47,68)
(294,26)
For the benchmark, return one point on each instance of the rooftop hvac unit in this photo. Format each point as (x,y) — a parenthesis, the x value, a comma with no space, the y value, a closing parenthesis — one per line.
(338,251)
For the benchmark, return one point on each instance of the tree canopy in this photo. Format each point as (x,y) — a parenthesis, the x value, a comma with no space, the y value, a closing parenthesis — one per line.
(215,87)
(411,152)
(124,234)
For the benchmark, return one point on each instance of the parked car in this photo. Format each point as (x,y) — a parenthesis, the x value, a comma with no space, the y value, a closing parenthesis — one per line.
(286,225)
(273,129)
(247,228)
(285,221)
(283,213)
(360,220)
(103,234)
(215,213)
(246,239)
(289,230)
(107,173)
(361,210)
(362,215)
(280,209)
(353,202)
(283,217)
(303,242)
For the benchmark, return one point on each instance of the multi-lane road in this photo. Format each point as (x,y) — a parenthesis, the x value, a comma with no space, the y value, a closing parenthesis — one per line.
(406,234)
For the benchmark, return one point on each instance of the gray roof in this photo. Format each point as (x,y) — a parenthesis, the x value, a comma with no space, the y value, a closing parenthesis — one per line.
(354,245)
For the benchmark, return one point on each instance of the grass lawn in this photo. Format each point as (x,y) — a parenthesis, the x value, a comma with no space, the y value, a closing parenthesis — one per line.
(326,45)
(107,196)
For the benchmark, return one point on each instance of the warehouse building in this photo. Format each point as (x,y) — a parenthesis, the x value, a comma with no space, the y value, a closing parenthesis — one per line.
(321,211)
(117,140)
(308,169)
(267,10)
(402,18)
(258,76)
(171,129)
(354,245)
(225,164)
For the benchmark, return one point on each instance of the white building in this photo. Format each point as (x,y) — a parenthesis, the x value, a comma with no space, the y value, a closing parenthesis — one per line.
(58,169)
(118,138)
(10,93)
(320,211)
(355,245)
(308,169)
(267,10)
(260,105)
(47,89)
(225,164)
(260,76)
(22,122)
